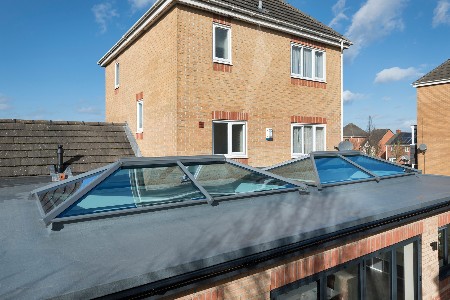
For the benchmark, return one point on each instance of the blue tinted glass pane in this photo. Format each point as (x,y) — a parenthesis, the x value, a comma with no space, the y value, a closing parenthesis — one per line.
(132,188)
(225,179)
(335,169)
(378,167)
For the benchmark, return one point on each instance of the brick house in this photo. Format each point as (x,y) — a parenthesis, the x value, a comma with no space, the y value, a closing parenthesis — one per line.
(258,81)
(433,109)
(355,135)
(398,148)
(378,137)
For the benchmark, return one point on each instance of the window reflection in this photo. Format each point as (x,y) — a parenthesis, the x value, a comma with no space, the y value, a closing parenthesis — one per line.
(343,285)
(305,292)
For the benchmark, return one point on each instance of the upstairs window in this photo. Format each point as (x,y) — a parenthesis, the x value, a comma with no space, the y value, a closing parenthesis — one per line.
(230,138)
(307,63)
(116,75)
(307,138)
(221,44)
(140,116)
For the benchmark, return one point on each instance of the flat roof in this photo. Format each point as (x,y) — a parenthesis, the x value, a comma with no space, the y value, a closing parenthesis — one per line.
(95,258)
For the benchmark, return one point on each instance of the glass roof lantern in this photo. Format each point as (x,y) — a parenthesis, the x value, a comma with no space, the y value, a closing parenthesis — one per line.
(338,167)
(148,183)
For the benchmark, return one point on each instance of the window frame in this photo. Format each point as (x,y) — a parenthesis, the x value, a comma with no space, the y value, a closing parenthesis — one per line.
(139,129)
(313,63)
(218,59)
(116,75)
(230,123)
(314,126)
(361,262)
(444,271)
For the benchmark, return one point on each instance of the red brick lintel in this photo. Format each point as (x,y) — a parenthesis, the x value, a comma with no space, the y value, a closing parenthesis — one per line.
(308,120)
(229,115)
(139,96)
(308,43)
(222,20)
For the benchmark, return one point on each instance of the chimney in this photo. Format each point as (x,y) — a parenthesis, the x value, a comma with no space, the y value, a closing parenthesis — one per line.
(398,131)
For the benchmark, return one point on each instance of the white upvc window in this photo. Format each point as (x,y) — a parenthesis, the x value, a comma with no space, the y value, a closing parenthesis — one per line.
(308,63)
(140,116)
(221,43)
(406,149)
(116,75)
(307,138)
(230,138)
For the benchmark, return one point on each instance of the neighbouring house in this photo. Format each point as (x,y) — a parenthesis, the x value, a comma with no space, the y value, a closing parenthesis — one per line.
(331,225)
(29,147)
(375,143)
(258,81)
(355,135)
(433,110)
(398,148)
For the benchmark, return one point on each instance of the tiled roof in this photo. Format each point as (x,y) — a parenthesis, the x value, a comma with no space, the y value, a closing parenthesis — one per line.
(437,75)
(353,130)
(30,147)
(377,135)
(402,138)
(280,10)
(275,14)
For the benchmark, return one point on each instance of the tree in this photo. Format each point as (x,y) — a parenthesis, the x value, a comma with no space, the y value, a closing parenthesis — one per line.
(371,145)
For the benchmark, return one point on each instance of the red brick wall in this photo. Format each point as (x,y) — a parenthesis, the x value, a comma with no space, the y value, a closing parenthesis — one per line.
(258,284)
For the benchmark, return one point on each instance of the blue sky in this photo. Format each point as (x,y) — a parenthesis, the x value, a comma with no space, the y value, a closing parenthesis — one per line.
(49,51)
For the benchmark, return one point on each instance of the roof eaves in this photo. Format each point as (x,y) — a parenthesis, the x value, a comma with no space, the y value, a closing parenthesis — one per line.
(417,84)
(222,8)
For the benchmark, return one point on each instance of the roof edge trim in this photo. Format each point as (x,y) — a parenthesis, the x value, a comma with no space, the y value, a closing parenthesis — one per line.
(235,12)
(428,83)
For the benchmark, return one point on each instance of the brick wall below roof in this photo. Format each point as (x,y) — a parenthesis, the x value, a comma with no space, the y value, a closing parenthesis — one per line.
(29,147)
(258,284)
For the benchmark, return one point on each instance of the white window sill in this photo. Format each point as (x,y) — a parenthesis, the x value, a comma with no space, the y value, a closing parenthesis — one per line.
(298,155)
(116,87)
(296,76)
(223,62)
(236,156)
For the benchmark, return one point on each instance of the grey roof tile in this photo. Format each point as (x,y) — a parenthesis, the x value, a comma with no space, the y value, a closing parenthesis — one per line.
(440,73)
(353,130)
(28,147)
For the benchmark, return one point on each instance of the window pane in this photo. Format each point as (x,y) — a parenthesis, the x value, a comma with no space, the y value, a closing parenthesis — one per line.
(319,65)
(140,115)
(220,138)
(221,43)
(302,170)
(308,133)
(320,139)
(378,277)
(237,138)
(305,292)
(441,242)
(307,63)
(296,60)
(117,74)
(380,168)
(343,285)
(132,188)
(406,272)
(335,169)
(297,143)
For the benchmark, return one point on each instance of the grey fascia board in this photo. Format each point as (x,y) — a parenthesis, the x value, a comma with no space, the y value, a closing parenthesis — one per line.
(78,194)
(318,183)
(50,186)
(300,185)
(334,153)
(209,199)
(376,177)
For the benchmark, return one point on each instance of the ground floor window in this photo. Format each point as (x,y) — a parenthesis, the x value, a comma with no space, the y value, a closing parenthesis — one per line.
(140,116)
(230,138)
(307,138)
(443,250)
(391,273)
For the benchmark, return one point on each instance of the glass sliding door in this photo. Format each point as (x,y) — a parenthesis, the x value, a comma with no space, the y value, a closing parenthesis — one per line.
(406,267)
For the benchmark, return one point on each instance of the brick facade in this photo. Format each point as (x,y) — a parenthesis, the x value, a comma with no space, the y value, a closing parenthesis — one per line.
(433,109)
(171,63)
(257,285)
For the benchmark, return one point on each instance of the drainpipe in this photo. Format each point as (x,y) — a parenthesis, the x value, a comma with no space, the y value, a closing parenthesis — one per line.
(60,166)
(342,90)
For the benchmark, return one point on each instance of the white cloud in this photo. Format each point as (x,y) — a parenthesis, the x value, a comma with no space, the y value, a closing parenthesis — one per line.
(350,96)
(373,21)
(396,74)
(442,13)
(90,110)
(4,103)
(104,13)
(338,11)
(140,4)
